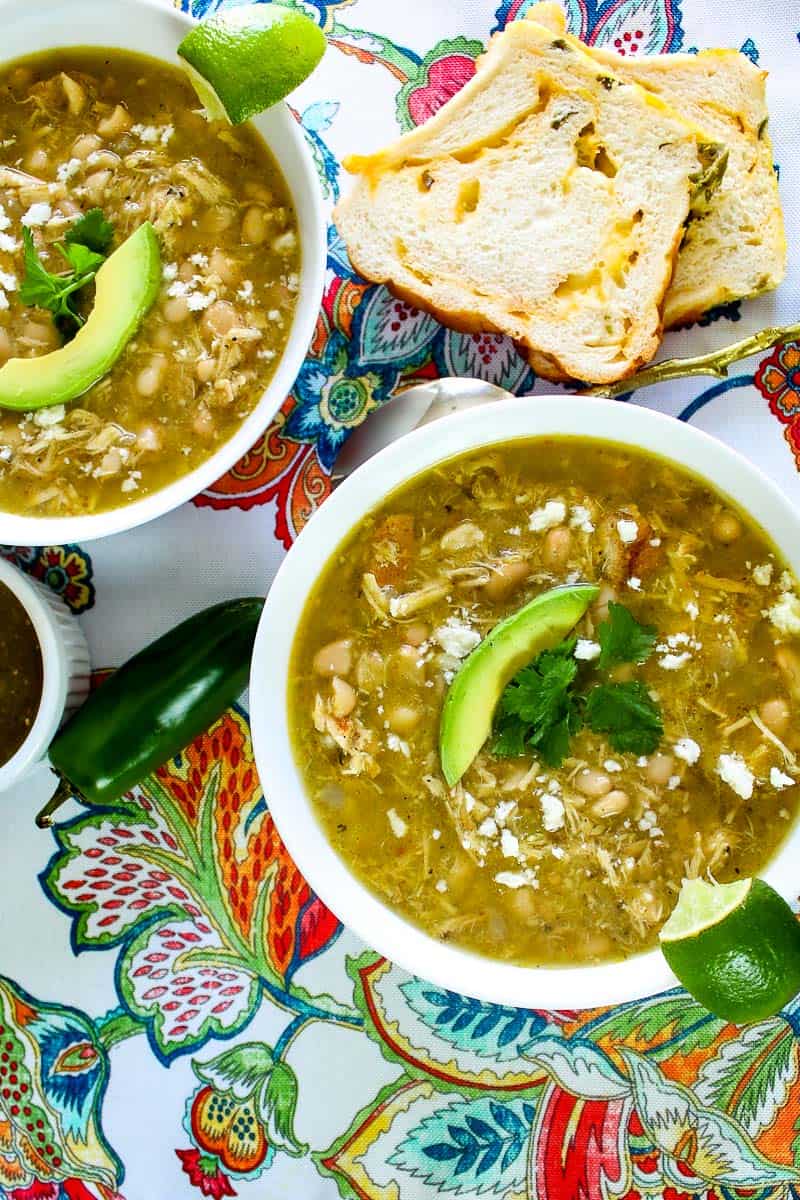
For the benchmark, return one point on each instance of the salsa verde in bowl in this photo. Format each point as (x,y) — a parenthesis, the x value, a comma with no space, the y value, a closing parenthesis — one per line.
(108,127)
(543,871)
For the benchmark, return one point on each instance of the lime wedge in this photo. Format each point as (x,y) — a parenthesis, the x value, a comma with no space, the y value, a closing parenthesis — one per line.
(245,60)
(735,947)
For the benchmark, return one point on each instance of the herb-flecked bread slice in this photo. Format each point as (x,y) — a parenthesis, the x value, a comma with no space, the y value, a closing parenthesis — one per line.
(737,246)
(546,200)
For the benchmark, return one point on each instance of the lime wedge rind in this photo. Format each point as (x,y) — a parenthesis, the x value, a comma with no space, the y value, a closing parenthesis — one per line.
(702,905)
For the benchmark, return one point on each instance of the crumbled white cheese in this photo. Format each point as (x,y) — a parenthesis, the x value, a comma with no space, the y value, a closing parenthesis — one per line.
(488,828)
(398,745)
(787,581)
(580,518)
(166,133)
(245,292)
(779,779)
(722,618)
(441,885)
(557,851)
(436,834)
(733,770)
(612,765)
(587,650)
(503,811)
(399,827)
(146,133)
(642,761)
(648,823)
(762,574)
(3,300)
(693,610)
(552,812)
(37,214)
(553,513)
(517,879)
(687,749)
(674,662)
(5,220)
(195,300)
(45,417)
(655,541)
(8,244)
(673,782)
(131,482)
(169,271)
(456,637)
(509,844)
(199,259)
(8,281)
(67,169)
(628,531)
(635,583)
(785,615)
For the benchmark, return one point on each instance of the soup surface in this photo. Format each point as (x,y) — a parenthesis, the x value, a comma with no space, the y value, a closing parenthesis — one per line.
(527,858)
(20,674)
(85,129)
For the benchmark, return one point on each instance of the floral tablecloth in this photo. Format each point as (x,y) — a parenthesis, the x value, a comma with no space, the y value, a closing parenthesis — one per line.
(178,1013)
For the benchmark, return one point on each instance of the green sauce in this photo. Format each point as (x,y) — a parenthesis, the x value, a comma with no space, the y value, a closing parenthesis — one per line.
(20,674)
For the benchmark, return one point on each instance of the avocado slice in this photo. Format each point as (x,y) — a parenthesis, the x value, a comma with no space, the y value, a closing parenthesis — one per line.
(476,689)
(125,288)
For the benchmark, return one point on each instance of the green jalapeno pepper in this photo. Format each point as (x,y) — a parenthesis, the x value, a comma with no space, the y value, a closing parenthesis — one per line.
(154,706)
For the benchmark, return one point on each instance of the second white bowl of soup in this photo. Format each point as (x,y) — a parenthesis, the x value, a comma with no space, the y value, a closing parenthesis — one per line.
(95,113)
(656,741)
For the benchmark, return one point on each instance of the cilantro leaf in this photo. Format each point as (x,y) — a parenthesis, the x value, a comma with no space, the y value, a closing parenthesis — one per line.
(538,709)
(92,230)
(627,714)
(82,260)
(623,639)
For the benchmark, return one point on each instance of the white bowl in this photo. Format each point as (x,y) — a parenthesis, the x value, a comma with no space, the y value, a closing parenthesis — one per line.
(354,904)
(65,668)
(154,27)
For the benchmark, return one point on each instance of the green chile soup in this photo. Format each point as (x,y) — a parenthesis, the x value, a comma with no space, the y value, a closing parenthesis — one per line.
(86,129)
(656,742)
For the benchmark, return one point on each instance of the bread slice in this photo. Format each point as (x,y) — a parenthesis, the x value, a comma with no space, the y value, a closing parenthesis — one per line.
(737,247)
(546,200)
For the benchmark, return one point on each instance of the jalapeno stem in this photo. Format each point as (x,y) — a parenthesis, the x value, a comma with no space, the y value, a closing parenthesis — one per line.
(64,792)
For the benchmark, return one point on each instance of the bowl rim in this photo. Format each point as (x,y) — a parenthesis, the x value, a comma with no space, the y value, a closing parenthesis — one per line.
(557,414)
(55,676)
(16,529)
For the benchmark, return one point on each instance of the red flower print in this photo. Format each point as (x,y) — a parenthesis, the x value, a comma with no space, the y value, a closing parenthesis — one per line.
(204,1173)
(778,380)
(445,77)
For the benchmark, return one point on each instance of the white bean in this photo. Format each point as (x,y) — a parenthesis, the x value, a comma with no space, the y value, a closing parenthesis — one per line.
(611,805)
(336,658)
(403,719)
(148,381)
(85,145)
(659,768)
(557,547)
(218,319)
(255,224)
(726,528)
(592,782)
(344,697)
(176,309)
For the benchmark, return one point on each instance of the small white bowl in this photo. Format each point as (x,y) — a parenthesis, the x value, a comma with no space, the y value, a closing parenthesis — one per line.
(65,668)
(353,903)
(154,27)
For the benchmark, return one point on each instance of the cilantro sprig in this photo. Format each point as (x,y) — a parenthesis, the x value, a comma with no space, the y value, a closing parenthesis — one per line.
(539,709)
(84,250)
(542,707)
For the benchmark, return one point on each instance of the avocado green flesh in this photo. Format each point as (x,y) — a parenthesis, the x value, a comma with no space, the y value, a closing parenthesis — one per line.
(474,693)
(125,288)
